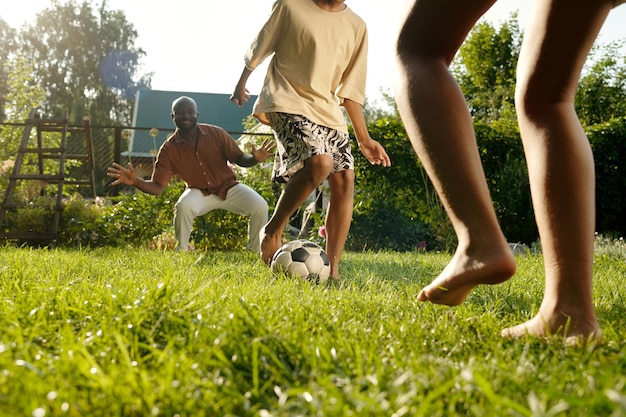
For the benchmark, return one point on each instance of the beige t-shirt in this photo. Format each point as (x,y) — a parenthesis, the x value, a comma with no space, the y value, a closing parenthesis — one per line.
(320,58)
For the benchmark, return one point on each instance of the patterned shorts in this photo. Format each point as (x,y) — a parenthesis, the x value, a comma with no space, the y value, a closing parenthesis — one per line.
(298,139)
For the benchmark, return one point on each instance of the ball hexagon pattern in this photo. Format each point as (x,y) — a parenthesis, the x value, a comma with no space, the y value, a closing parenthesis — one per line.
(304,259)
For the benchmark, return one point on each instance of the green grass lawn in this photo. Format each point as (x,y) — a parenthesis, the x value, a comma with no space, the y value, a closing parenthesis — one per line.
(132,332)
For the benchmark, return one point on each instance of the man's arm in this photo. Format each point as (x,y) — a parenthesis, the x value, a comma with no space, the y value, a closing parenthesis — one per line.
(128,176)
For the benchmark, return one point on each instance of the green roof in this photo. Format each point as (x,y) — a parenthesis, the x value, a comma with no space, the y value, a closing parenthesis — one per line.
(153,108)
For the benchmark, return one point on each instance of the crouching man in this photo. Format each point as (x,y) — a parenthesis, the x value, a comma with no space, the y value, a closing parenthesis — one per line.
(199,154)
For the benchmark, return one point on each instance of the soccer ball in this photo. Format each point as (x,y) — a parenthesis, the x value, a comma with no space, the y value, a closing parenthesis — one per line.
(302,258)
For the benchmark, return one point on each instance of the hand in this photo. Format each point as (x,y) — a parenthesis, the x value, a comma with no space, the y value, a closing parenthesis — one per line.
(126,176)
(374,152)
(265,151)
(240,96)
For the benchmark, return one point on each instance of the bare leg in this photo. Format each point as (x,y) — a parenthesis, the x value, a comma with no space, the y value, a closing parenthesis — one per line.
(299,187)
(339,217)
(560,163)
(440,128)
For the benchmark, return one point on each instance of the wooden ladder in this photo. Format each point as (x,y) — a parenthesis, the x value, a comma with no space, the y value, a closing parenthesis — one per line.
(51,135)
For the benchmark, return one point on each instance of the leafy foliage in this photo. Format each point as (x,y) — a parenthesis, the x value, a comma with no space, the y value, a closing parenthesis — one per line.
(80,222)
(485,67)
(138,217)
(391,208)
(601,94)
(36,216)
(608,141)
(86,60)
(8,42)
(395,207)
(505,168)
(386,227)
(22,97)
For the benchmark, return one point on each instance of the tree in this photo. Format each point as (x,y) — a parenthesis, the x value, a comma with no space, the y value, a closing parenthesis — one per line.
(7,46)
(601,94)
(18,102)
(86,61)
(24,94)
(485,68)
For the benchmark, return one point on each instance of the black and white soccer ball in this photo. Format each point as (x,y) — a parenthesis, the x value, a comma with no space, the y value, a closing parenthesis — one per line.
(302,258)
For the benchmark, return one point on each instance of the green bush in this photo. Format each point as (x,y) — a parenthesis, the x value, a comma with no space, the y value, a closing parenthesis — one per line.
(81,223)
(395,208)
(401,198)
(36,216)
(502,155)
(392,204)
(512,202)
(608,141)
(386,227)
(136,218)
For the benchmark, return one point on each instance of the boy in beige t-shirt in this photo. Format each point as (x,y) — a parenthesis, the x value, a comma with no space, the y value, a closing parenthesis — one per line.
(319,64)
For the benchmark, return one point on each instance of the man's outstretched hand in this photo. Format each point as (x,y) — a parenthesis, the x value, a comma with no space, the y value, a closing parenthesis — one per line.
(126,176)
(265,151)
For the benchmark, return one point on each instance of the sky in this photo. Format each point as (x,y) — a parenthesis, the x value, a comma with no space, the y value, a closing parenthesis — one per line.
(209,37)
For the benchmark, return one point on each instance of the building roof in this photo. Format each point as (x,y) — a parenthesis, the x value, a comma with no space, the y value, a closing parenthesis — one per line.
(153,108)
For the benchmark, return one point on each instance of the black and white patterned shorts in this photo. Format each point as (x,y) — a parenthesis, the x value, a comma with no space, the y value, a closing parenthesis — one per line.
(298,139)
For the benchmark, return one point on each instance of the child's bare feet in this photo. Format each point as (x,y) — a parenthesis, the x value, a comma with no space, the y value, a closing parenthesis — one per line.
(465,271)
(270,243)
(575,330)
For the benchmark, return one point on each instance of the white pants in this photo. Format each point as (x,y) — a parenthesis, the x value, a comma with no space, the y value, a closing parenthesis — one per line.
(240,199)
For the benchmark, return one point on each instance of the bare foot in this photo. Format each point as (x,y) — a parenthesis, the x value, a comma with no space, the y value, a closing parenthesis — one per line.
(573,331)
(465,271)
(270,243)
(334,281)
(334,271)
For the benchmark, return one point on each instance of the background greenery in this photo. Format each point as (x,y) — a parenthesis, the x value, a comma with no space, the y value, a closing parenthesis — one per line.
(395,208)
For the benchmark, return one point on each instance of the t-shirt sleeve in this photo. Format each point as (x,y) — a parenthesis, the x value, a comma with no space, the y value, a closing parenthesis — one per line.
(354,79)
(264,44)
